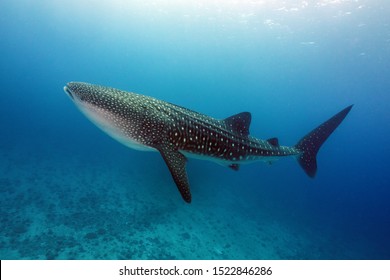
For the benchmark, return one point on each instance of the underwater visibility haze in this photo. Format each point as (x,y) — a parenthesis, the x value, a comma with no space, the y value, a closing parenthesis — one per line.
(67,191)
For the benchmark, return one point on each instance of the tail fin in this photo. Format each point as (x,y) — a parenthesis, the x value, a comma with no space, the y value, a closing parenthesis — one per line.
(312,142)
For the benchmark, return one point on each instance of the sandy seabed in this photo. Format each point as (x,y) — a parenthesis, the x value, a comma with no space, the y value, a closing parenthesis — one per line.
(57,207)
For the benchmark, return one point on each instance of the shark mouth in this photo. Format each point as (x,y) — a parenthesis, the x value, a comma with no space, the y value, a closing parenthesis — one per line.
(68,91)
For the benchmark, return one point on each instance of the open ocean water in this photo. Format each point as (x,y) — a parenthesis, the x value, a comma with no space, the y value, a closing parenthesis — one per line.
(68,191)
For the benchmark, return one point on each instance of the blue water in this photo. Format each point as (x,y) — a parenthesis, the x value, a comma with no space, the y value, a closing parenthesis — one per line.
(68,191)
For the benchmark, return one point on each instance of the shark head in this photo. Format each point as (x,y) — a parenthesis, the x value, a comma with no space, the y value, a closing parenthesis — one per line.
(89,97)
(114,111)
(96,103)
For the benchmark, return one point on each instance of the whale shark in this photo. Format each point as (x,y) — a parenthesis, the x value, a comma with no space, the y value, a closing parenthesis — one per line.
(177,133)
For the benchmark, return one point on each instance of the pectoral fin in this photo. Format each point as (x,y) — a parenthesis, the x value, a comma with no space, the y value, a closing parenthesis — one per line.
(176,162)
(234,166)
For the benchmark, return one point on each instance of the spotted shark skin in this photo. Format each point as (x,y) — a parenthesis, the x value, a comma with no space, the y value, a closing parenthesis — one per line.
(145,123)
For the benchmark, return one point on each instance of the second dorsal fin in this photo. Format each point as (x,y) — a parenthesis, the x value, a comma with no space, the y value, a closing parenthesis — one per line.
(273,141)
(239,123)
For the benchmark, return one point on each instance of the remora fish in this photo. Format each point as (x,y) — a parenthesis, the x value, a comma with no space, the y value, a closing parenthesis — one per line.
(146,123)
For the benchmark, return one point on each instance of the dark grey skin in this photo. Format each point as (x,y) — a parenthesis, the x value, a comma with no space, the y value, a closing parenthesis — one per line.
(146,123)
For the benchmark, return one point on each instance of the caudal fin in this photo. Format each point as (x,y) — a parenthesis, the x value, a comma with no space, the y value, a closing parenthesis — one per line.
(312,142)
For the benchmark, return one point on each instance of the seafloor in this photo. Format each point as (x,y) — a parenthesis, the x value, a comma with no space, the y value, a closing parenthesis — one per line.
(64,205)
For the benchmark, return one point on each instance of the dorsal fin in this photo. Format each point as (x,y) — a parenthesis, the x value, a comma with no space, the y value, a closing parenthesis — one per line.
(273,141)
(239,123)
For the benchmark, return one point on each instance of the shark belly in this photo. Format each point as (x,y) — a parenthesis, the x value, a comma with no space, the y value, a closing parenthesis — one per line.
(226,162)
